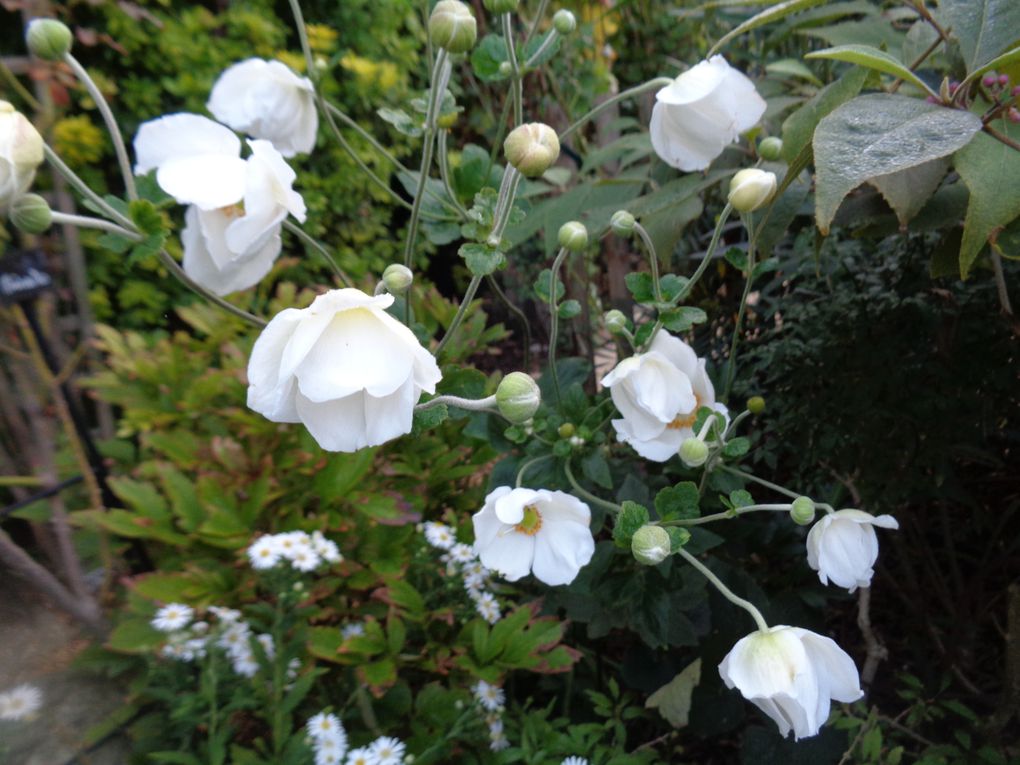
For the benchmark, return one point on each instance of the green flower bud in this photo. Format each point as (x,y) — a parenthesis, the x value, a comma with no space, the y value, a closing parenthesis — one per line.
(518,397)
(397,278)
(573,236)
(48,38)
(650,545)
(756,405)
(802,511)
(564,22)
(452,26)
(770,148)
(751,189)
(501,6)
(622,223)
(505,69)
(694,452)
(616,322)
(532,148)
(31,214)
(566,430)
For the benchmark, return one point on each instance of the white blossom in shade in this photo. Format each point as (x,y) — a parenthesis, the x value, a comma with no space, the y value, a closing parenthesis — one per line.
(659,392)
(232,229)
(20,702)
(543,532)
(264,552)
(325,755)
(498,740)
(487,606)
(344,367)
(387,751)
(172,617)
(462,553)
(266,99)
(701,112)
(439,535)
(225,615)
(490,696)
(352,630)
(268,647)
(843,547)
(326,548)
(574,760)
(474,583)
(360,756)
(21,152)
(791,674)
(305,559)
(195,648)
(323,725)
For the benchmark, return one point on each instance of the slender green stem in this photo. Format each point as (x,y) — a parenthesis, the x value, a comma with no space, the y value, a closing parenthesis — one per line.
(587,495)
(174,267)
(212,699)
(653,259)
(554,319)
(471,404)
(84,221)
(497,142)
(357,128)
(313,243)
(83,188)
(18,88)
(469,295)
(657,83)
(444,172)
(767,484)
(521,317)
(279,672)
(504,204)
(731,367)
(550,38)
(709,253)
(539,15)
(726,515)
(732,427)
(516,87)
(528,464)
(725,591)
(111,124)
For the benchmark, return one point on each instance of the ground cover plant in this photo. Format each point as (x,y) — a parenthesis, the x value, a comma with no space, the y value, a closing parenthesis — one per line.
(555,473)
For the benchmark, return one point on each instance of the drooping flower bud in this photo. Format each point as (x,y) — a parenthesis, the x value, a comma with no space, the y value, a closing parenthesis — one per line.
(397,278)
(564,22)
(694,452)
(532,148)
(452,26)
(622,223)
(48,39)
(573,236)
(751,188)
(770,148)
(802,511)
(650,545)
(501,6)
(31,214)
(615,321)
(756,405)
(518,397)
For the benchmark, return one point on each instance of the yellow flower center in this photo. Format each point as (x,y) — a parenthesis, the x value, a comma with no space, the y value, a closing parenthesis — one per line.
(686,420)
(531,522)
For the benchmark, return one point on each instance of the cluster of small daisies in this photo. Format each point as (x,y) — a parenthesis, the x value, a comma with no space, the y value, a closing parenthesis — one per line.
(461,558)
(304,552)
(492,699)
(20,702)
(329,743)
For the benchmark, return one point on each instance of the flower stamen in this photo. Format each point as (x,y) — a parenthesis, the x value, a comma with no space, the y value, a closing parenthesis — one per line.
(531,522)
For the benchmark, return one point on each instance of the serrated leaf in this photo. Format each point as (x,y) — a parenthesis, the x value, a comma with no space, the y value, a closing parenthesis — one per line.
(640,285)
(678,537)
(569,309)
(879,134)
(115,243)
(486,57)
(984,28)
(683,318)
(631,518)
(481,259)
(741,498)
(680,502)
(596,469)
(673,700)
(672,285)
(872,58)
(737,447)
(425,419)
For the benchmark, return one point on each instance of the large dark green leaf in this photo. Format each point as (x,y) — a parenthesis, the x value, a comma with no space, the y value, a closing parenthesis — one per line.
(984,28)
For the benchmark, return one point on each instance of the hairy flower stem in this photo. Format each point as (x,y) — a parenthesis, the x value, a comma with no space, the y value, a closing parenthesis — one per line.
(587,495)
(727,515)
(83,188)
(516,86)
(550,38)
(319,247)
(504,205)
(657,83)
(111,124)
(469,295)
(84,221)
(554,319)
(653,260)
(487,404)
(725,591)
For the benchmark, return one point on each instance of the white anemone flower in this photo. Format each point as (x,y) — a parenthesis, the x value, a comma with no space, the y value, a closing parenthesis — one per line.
(21,152)
(20,702)
(237,206)
(266,99)
(344,367)
(543,532)
(701,112)
(791,674)
(659,392)
(843,547)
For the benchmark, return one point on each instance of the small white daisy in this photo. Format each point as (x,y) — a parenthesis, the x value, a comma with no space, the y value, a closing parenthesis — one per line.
(196,647)
(439,535)
(235,638)
(462,553)
(172,617)
(304,558)
(225,615)
(264,553)
(387,751)
(290,541)
(324,724)
(488,607)
(489,696)
(20,702)
(574,761)
(245,664)
(360,756)
(328,757)
(498,741)
(325,548)
(352,630)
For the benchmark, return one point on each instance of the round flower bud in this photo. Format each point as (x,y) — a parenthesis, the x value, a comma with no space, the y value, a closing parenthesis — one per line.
(505,69)
(650,545)
(622,223)
(397,278)
(48,38)
(501,6)
(770,148)
(616,322)
(756,405)
(31,214)
(532,148)
(751,188)
(564,22)
(452,26)
(566,430)
(518,397)
(802,511)
(573,236)
(693,452)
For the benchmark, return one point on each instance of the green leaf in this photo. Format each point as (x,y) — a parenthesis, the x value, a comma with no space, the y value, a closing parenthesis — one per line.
(737,447)
(909,190)
(678,502)
(481,259)
(990,169)
(596,469)
(672,285)
(631,518)
(683,318)
(640,285)
(673,700)
(741,498)
(569,309)
(879,134)
(998,63)
(487,56)
(403,122)
(134,635)
(426,419)
(791,67)
(776,12)
(542,283)
(799,127)
(985,28)
(678,537)
(146,217)
(872,58)
(115,243)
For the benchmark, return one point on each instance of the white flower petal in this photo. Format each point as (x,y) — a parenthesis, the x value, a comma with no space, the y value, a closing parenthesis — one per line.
(208,261)
(510,556)
(206,180)
(562,548)
(178,136)
(267,395)
(337,425)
